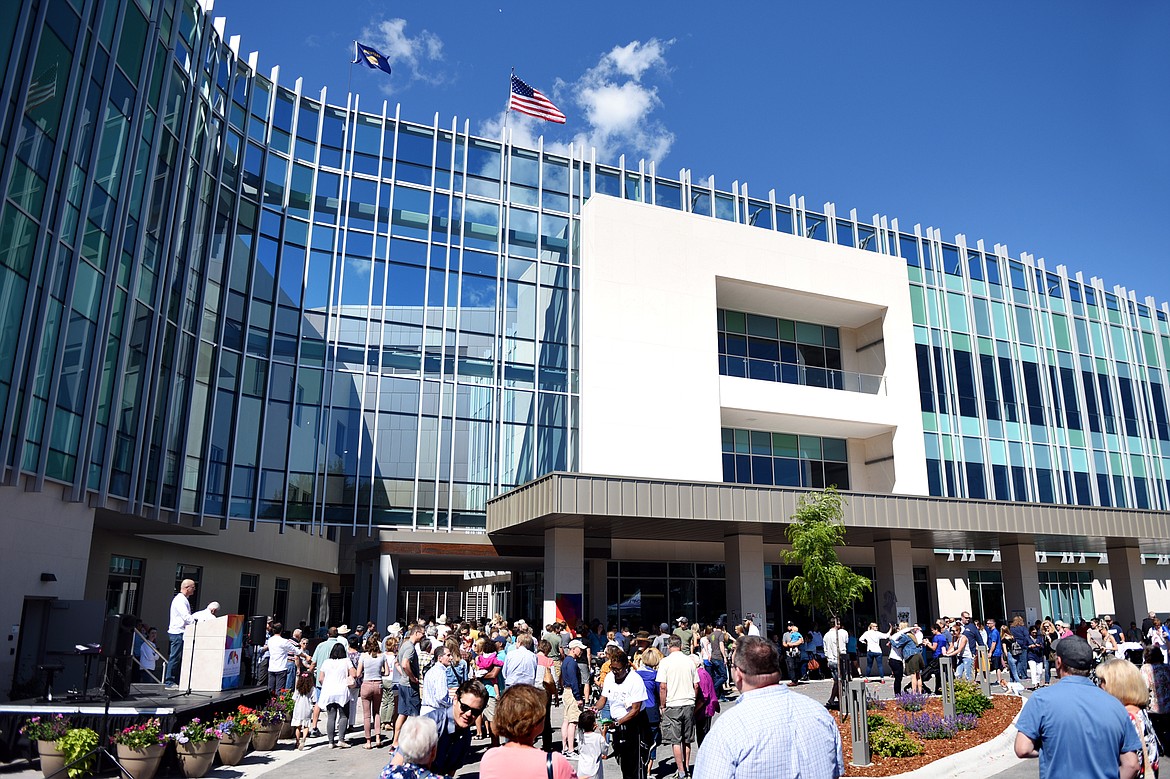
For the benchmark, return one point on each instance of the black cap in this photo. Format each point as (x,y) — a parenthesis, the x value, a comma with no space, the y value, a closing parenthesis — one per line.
(1075,652)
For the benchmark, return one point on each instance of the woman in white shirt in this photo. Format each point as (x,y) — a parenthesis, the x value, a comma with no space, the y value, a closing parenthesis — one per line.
(625,693)
(148,657)
(335,675)
(872,641)
(1157,635)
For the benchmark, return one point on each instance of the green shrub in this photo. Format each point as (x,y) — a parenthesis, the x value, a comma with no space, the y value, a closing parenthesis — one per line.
(892,740)
(969,699)
(877,721)
(73,745)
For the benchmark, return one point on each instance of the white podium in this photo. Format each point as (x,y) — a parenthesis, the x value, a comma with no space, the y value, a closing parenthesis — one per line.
(212,653)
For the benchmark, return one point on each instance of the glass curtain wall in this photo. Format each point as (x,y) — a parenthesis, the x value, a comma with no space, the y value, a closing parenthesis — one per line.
(1067,595)
(223,298)
(1036,386)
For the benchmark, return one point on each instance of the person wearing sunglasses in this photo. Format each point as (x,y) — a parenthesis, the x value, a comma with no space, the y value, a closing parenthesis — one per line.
(456,725)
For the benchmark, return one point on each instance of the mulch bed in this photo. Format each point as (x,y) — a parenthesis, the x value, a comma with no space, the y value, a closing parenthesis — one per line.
(993,722)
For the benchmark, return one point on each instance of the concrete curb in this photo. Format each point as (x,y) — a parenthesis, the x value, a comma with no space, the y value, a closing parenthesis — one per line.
(987,759)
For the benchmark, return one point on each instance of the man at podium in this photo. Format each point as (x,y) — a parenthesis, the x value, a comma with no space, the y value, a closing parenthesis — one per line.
(211,612)
(180,618)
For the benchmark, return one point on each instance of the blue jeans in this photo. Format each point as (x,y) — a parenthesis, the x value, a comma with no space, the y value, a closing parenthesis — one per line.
(718,676)
(1013,665)
(966,669)
(175,659)
(870,659)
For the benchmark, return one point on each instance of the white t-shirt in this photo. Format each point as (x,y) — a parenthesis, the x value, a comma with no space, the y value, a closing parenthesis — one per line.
(622,696)
(680,676)
(836,644)
(279,649)
(180,614)
(147,656)
(872,639)
(590,747)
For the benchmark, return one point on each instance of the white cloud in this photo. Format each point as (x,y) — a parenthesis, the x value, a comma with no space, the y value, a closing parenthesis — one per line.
(615,108)
(419,55)
(619,105)
(636,58)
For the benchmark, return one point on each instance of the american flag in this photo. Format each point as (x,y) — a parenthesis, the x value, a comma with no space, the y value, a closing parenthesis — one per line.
(531,101)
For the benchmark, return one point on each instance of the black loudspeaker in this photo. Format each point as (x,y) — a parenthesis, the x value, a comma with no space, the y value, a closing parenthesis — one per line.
(118,674)
(118,635)
(257,628)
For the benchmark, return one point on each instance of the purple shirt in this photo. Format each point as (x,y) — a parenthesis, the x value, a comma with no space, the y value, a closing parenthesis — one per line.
(707,687)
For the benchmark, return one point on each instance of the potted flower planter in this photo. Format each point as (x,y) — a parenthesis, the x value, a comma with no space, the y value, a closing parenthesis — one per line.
(141,763)
(52,759)
(196,759)
(233,748)
(264,739)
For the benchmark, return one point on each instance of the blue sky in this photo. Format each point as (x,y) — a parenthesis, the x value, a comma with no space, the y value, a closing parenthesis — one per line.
(1045,126)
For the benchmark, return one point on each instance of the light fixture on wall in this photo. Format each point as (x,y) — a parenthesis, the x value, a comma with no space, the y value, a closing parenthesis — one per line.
(48,577)
(995,556)
(1104,558)
(950,555)
(1081,559)
(1041,557)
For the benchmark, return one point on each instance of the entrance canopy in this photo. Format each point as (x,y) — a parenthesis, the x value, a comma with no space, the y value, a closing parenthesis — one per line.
(611,507)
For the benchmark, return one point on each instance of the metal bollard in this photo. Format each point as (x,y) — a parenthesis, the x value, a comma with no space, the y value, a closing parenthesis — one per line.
(946,671)
(984,660)
(858,722)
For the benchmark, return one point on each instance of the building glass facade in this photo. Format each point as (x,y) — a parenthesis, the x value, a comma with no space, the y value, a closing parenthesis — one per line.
(1037,386)
(223,298)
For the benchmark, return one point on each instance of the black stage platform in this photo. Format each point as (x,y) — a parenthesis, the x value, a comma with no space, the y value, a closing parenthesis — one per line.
(173,707)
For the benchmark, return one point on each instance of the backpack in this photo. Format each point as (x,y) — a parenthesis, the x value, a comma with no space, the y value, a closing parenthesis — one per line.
(903,642)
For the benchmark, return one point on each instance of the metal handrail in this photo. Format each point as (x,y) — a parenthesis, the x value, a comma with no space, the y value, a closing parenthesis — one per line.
(161,655)
(806,375)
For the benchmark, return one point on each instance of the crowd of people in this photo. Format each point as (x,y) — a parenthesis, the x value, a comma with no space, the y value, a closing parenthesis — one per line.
(431,688)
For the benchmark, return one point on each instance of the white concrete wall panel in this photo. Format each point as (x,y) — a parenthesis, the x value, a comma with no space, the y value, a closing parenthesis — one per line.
(652,399)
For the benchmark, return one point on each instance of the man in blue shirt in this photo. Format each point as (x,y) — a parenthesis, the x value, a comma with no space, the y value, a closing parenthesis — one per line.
(937,644)
(996,648)
(1075,728)
(574,696)
(454,726)
(771,731)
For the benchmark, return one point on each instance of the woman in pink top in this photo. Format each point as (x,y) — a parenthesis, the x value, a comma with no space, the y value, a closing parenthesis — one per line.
(706,702)
(520,719)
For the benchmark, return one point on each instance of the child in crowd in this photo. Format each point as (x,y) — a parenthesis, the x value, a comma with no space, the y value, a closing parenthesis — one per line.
(302,715)
(591,746)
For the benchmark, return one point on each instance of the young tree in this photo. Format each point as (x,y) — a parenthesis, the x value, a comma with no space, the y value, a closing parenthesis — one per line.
(824,584)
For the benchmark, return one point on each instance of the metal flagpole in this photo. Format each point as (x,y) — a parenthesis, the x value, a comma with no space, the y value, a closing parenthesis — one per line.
(349,79)
(508,105)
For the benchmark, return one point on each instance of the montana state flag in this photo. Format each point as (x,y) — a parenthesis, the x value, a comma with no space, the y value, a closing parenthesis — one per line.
(370,57)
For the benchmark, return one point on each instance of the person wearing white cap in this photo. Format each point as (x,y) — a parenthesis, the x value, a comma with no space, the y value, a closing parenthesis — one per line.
(575,695)
(686,635)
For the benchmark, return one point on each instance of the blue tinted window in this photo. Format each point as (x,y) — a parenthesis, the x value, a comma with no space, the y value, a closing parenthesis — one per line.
(908,245)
